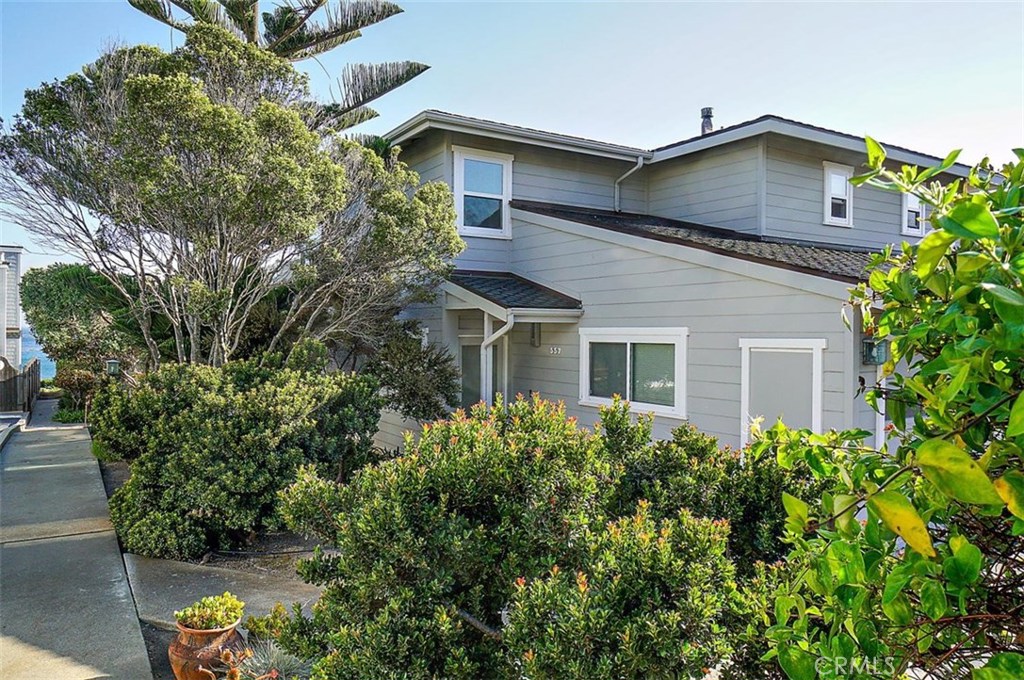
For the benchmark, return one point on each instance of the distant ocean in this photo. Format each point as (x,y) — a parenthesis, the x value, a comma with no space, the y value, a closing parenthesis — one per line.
(30,350)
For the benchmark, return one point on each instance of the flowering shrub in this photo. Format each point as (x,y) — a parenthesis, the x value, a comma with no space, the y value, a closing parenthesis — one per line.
(510,543)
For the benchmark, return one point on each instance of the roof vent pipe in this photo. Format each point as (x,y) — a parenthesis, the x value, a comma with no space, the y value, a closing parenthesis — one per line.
(705,121)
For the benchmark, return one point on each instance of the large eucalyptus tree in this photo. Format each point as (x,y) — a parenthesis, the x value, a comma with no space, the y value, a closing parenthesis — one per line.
(303,29)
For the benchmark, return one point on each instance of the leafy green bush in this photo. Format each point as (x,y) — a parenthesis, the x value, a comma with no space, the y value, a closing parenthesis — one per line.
(68,415)
(510,543)
(647,602)
(419,381)
(211,447)
(691,471)
(913,557)
(210,613)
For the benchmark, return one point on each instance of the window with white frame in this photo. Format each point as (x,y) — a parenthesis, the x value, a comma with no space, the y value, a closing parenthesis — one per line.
(913,216)
(646,366)
(781,378)
(483,190)
(838,195)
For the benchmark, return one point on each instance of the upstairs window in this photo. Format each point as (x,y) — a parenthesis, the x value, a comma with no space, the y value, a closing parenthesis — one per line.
(838,195)
(483,189)
(913,216)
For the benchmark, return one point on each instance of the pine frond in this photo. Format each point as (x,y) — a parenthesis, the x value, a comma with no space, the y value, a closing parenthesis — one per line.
(381,146)
(244,14)
(157,9)
(362,83)
(322,47)
(210,12)
(335,117)
(341,18)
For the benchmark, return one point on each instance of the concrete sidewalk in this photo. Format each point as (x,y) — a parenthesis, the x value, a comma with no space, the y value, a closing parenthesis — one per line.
(66,610)
(163,586)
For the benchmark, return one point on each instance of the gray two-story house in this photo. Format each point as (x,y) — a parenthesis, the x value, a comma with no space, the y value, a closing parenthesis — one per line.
(704,280)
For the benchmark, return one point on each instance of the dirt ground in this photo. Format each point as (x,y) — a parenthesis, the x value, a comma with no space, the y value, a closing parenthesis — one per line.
(157,641)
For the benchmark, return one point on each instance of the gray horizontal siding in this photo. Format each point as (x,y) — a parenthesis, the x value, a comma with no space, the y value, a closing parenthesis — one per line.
(794,202)
(553,176)
(625,287)
(431,157)
(392,430)
(718,187)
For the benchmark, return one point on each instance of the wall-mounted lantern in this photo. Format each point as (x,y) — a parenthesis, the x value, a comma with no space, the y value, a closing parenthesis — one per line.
(113,367)
(874,352)
(535,335)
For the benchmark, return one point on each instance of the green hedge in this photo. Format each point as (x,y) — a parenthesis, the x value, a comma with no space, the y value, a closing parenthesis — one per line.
(211,448)
(512,543)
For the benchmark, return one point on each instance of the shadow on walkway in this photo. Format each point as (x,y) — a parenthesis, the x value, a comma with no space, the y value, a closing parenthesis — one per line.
(66,610)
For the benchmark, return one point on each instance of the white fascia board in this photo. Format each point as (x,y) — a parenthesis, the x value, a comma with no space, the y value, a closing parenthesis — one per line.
(473,300)
(470,300)
(793,130)
(546,315)
(802,281)
(432,120)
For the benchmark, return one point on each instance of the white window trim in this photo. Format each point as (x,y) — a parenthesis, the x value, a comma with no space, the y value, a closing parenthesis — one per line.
(847,171)
(461,155)
(905,228)
(675,336)
(815,346)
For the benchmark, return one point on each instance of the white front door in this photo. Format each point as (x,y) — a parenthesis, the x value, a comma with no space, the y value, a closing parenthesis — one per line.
(469,362)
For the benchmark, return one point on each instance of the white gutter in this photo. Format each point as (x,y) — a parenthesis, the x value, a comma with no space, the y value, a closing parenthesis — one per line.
(618,190)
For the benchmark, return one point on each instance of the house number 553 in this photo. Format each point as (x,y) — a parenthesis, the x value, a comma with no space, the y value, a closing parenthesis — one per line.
(554,350)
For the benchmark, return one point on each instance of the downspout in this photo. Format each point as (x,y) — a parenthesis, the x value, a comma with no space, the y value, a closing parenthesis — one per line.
(618,182)
(486,366)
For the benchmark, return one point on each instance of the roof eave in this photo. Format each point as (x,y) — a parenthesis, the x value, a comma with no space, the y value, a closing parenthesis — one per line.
(794,130)
(427,120)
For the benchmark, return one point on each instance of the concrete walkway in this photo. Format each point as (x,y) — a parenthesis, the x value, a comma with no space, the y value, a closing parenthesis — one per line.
(66,610)
(163,586)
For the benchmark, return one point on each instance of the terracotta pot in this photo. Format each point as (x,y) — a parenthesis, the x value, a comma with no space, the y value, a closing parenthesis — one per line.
(195,653)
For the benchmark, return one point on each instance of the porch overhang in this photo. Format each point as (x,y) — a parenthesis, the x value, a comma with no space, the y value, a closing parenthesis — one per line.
(506,296)
(510,300)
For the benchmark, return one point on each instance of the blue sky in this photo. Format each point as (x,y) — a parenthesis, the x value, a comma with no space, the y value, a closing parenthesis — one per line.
(931,76)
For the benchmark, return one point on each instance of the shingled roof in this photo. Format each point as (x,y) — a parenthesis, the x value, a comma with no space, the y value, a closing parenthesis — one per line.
(512,291)
(827,261)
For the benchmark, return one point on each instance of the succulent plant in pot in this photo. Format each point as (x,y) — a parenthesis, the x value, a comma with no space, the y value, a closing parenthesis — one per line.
(206,630)
(264,660)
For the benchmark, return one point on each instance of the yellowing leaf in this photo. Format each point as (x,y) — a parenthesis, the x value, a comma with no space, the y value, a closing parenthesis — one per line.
(901,518)
(1010,488)
(1016,425)
(876,154)
(955,473)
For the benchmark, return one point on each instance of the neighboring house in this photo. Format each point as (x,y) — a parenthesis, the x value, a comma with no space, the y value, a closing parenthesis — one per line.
(703,280)
(10,303)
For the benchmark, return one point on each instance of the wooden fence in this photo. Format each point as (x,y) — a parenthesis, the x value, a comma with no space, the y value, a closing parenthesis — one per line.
(18,389)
